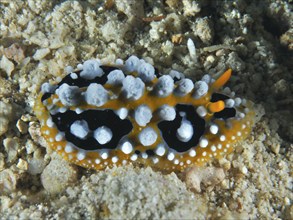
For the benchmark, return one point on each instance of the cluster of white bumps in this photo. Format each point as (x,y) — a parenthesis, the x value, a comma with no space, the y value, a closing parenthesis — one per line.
(81,130)
(132,87)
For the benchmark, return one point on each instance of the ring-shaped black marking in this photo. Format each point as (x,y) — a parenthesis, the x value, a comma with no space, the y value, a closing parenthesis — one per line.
(169,128)
(95,119)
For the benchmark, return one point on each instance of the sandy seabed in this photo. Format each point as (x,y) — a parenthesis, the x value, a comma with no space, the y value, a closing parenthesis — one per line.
(38,39)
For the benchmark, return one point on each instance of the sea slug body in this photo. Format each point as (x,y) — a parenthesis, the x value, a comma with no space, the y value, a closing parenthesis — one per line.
(105,115)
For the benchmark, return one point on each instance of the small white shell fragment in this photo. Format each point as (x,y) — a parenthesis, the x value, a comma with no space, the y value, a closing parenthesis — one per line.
(192,50)
(6,65)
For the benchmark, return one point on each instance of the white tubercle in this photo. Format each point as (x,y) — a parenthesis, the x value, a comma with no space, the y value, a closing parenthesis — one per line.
(69,95)
(185,131)
(91,69)
(68,69)
(133,157)
(59,137)
(146,71)
(227,90)
(131,63)
(201,111)
(104,155)
(81,155)
(147,136)
(133,87)
(192,153)
(143,115)
(184,86)
(126,147)
(115,77)
(73,75)
(119,61)
(114,159)
(237,101)
(69,148)
(170,156)
(200,89)
(203,143)
(176,75)
(79,129)
(229,103)
(48,88)
(164,86)
(222,138)
(206,78)
(103,134)
(167,112)
(96,95)
(122,113)
(160,150)
(214,129)
(49,122)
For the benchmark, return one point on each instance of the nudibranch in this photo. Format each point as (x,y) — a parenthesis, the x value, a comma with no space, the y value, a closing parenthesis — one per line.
(101,115)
